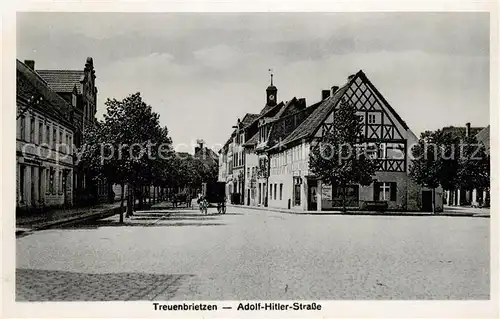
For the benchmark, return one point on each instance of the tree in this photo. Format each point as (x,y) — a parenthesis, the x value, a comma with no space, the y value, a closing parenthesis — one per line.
(473,169)
(126,145)
(340,157)
(434,162)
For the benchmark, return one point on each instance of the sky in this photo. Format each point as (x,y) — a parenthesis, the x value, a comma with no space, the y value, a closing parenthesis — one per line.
(203,71)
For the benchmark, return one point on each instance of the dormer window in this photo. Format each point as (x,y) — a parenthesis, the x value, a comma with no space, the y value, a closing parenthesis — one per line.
(73,100)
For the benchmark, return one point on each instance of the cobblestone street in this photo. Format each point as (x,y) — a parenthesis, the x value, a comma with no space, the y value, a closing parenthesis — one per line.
(249,254)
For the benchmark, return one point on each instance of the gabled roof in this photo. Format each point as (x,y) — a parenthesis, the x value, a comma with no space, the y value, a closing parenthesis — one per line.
(63,81)
(484,137)
(311,124)
(266,109)
(320,113)
(253,140)
(285,125)
(29,84)
(249,119)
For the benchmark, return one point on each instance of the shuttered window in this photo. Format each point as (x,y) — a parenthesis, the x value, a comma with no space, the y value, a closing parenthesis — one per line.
(385,191)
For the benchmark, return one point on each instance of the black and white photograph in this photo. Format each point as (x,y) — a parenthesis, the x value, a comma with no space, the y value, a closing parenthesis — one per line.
(235,163)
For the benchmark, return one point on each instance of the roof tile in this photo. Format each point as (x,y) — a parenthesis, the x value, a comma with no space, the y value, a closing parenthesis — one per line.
(63,81)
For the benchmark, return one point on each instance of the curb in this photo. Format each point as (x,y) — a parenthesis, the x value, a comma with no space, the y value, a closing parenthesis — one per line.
(360,213)
(90,216)
(96,215)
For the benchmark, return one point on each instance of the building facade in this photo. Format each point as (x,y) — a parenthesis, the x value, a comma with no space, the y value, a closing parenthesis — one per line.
(78,88)
(44,135)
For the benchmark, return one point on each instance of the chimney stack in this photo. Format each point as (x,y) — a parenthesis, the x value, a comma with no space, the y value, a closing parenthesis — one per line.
(302,103)
(30,64)
(350,77)
(325,94)
(334,89)
(467,129)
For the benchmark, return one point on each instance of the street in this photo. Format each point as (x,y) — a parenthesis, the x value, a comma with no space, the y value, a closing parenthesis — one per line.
(251,254)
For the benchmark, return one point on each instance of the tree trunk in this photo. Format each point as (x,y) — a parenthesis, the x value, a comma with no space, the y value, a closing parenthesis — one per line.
(149,195)
(122,197)
(433,200)
(130,202)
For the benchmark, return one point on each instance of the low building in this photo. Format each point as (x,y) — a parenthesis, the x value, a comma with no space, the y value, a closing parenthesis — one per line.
(469,197)
(44,139)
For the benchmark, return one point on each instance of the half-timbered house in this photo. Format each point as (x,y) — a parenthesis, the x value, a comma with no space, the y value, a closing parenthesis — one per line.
(387,136)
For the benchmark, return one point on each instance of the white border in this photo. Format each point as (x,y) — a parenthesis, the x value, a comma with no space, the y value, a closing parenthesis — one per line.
(455,309)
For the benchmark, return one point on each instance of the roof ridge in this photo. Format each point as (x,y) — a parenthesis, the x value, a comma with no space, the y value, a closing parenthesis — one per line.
(49,95)
(60,70)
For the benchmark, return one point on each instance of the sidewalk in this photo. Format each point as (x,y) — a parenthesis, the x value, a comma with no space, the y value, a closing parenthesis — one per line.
(63,216)
(466,211)
(448,211)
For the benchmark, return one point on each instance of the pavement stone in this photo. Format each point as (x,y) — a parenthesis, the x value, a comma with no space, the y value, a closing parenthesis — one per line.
(250,254)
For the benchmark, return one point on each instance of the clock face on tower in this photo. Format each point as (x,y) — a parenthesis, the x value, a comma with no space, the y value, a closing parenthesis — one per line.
(271,97)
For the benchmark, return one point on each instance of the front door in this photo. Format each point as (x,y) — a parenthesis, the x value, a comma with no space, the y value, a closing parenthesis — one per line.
(312,195)
(427,201)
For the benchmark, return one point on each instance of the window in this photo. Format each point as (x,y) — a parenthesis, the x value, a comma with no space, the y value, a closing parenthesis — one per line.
(22,172)
(32,130)
(47,182)
(296,193)
(281,191)
(73,100)
(23,127)
(361,118)
(395,151)
(54,136)
(32,196)
(60,182)
(372,150)
(270,190)
(385,191)
(248,172)
(61,141)
(47,132)
(51,182)
(275,185)
(40,132)
(371,118)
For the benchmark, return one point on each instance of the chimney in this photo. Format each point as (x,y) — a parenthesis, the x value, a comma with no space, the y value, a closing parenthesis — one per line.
(30,64)
(467,129)
(302,103)
(325,94)
(334,89)
(350,77)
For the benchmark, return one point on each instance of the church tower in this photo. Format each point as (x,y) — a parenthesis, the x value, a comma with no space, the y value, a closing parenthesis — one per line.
(272,93)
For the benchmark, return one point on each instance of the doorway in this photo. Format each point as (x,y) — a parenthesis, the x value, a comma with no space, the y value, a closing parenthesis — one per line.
(427,201)
(312,197)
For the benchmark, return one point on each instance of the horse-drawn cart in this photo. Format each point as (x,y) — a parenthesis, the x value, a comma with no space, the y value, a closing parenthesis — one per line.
(214,195)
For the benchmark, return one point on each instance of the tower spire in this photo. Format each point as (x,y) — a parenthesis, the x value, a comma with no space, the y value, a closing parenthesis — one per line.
(271,72)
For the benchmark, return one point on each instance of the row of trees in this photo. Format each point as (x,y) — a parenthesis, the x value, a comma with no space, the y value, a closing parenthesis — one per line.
(130,148)
(439,159)
(450,161)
